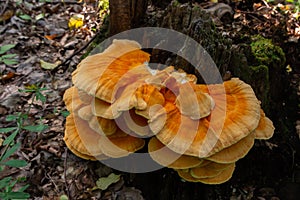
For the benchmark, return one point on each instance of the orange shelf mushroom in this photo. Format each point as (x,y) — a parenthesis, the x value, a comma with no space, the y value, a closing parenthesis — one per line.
(166,157)
(235,115)
(99,75)
(199,130)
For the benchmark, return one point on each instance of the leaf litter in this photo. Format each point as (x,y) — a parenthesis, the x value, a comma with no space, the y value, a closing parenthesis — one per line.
(40,35)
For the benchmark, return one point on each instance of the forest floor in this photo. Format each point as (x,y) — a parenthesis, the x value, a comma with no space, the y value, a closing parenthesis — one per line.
(36,70)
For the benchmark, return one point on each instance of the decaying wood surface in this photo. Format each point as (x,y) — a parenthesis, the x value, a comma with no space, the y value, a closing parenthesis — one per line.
(125,14)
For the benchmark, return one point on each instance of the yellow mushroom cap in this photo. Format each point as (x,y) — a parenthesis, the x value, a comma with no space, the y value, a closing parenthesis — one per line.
(120,144)
(136,123)
(104,109)
(73,149)
(99,75)
(265,128)
(72,100)
(192,102)
(235,115)
(220,178)
(138,95)
(168,158)
(100,125)
(88,144)
(103,126)
(81,138)
(224,176)
(208,171)
(234,152)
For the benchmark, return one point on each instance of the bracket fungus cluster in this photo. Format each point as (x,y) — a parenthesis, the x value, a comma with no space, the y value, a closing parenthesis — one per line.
(118,104)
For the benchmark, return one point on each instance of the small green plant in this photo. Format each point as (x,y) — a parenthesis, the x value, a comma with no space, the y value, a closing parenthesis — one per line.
(296,3)
(7,184)
(8,59)
(37,91)
(10,147)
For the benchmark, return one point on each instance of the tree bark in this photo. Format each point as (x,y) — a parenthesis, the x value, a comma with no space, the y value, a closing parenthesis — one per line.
(126,14)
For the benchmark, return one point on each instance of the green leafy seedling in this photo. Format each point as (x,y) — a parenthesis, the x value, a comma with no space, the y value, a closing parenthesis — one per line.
(7,184)
(6,189)
(38,95)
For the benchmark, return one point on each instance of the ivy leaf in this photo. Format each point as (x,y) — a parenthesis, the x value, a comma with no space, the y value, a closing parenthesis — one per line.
(25,17)
(10,61)
(104,182)
(46,65)
(6,48)
(65,113)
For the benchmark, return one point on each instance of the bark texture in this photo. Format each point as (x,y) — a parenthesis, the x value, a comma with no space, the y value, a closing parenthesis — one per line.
(125,14)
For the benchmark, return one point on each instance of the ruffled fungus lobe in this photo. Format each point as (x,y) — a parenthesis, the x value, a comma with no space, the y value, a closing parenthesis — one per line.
(208,171)
(100,125)
(80,139)
(234,152)
(137,95)
(188,95)
(198,130)
(120,144)
(265,128)
(213,176)
(103,126)
(88,144)
(136,123)
(166,157)
(72,100)
(98,75)
(235,115)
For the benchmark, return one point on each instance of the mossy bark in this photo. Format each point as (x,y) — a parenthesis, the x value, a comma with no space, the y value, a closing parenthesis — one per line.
(196,23)
(259,65)
(262,65)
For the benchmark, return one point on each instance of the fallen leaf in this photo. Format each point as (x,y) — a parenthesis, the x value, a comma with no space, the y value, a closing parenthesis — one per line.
(7,76)
(50,37)
(63,197)
(6,15)
(25,17)
(104,182)
(76,21)
(46,65)
(5,48)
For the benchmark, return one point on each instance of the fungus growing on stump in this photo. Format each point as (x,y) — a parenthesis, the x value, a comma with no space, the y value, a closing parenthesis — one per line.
(199,130)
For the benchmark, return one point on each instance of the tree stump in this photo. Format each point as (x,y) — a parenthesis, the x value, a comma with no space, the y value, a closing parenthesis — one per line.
(125,14)
(197,24)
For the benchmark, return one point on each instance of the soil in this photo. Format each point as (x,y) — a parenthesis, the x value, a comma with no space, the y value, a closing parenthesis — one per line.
(40,32)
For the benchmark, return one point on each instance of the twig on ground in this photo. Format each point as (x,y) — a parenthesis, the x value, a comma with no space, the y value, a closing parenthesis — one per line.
(64,65)
(65,174)
(4,7)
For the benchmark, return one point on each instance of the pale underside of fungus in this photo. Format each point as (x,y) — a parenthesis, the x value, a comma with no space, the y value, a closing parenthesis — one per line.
(199,130)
